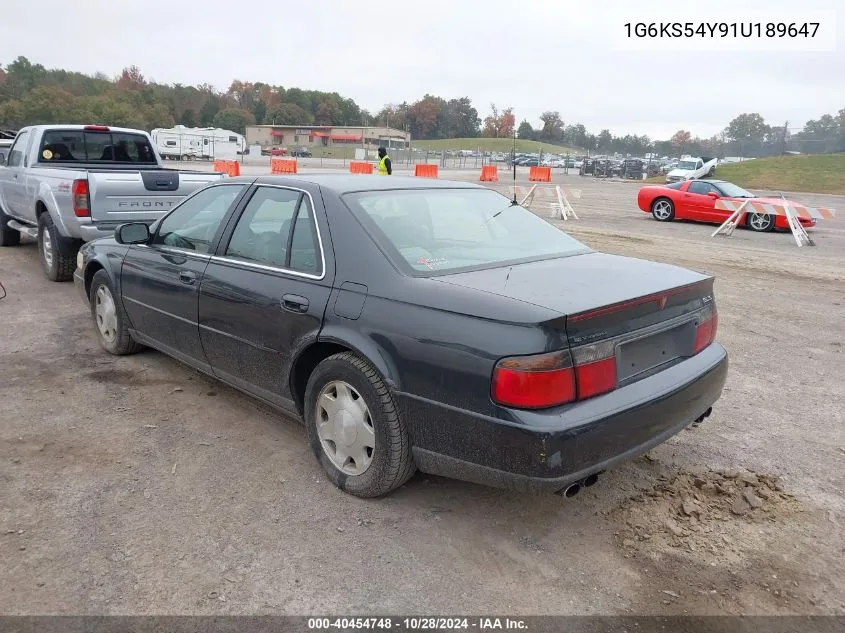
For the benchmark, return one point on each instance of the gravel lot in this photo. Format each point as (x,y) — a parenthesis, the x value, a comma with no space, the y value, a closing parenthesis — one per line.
(137,486)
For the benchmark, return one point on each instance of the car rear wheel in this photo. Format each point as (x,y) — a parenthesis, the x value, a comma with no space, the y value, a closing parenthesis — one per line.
(663,210)
(109,317)
(354,427)
(760,222)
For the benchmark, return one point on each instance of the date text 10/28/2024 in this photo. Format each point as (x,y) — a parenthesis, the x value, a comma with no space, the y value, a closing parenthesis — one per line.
(417,624)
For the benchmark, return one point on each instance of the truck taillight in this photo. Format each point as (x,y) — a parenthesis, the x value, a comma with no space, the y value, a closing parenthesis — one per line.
(79,193)
(97,128)
(548,380)
(705,331)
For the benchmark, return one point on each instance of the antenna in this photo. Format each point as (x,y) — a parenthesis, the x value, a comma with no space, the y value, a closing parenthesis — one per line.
(513,164)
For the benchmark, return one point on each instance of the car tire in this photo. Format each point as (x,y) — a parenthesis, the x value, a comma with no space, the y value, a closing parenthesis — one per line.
(8,235)
(663,210)
(760,222)
(364,411)
(109,317)
(57,253)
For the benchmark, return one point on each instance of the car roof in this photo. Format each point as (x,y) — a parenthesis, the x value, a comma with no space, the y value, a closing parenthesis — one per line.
(341,183)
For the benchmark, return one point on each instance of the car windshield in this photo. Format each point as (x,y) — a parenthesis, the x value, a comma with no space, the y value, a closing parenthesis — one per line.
(732,191)
(430,231)
(686,164)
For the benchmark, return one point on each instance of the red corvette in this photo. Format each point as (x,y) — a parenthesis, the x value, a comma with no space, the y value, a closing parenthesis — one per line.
(696,200)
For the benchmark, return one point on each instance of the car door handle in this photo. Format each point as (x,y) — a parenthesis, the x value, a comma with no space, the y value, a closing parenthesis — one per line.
(187,277)
(295,303)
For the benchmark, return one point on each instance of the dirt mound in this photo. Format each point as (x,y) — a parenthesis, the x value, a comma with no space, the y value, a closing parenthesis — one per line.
(716,513)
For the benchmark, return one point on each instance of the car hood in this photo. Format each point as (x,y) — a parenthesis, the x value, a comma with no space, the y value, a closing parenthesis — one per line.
(570,285)
(680,172)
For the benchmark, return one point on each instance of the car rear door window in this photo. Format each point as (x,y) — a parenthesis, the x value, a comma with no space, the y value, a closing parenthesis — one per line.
(193,224)
(277,229)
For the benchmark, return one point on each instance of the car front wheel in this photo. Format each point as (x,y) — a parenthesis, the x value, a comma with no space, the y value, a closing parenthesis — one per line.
(354,427)
(663,210)
(110,318)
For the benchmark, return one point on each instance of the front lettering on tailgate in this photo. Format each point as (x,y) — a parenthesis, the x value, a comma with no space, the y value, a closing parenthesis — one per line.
(145,204)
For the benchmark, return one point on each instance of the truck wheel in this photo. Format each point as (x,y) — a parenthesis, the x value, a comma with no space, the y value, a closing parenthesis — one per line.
(110,318)
(8,235)
(354,427)
(58,254)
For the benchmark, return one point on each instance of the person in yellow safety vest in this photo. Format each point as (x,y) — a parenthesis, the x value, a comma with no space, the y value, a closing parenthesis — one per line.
(385,167)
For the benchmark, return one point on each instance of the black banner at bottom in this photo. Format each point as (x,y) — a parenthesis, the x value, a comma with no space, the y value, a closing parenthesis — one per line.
(416,624)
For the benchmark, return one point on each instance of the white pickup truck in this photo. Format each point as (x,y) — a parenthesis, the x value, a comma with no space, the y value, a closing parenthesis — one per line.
(68,184)
(689,168)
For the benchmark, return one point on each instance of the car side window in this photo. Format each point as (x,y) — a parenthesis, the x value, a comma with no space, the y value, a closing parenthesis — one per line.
(702,188)
(261,234)
(193,224)
(17,151)
(277,229)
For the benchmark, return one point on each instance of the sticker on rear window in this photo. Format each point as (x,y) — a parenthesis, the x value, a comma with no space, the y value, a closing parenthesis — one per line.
(431,262)
(47,154)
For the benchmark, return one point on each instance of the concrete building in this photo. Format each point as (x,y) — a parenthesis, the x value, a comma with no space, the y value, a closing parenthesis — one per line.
(315,137)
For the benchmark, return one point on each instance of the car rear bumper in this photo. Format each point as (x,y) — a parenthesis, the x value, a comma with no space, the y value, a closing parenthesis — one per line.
(546,451)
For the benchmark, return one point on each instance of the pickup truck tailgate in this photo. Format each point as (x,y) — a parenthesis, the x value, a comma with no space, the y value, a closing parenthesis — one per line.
(118,196)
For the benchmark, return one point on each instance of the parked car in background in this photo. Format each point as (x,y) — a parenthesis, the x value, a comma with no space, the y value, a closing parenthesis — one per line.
(514,356)
(696,200)
(67,184)
(300,152)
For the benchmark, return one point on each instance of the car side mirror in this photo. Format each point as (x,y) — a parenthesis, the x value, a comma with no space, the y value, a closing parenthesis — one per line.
(132,233)
(713,194)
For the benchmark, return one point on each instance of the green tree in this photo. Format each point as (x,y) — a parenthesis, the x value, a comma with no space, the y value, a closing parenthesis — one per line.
(233,119)
(749,132)
(526,131)
(11,114)
(289,114)
(209,109)
(552,130)
(188,118)
(46,104)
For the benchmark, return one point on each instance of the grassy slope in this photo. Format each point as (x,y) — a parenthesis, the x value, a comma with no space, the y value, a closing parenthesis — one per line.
(813,174)
(492,145)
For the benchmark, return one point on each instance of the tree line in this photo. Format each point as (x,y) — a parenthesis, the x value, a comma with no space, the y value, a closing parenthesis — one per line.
(32,94)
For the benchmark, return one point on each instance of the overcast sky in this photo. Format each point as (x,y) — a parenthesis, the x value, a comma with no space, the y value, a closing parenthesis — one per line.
(565,55)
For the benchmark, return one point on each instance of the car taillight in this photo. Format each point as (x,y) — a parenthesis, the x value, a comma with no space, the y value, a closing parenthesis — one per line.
(548,380)
(705,331)
(96,128)
(534,382)
(595,369)
(79,193)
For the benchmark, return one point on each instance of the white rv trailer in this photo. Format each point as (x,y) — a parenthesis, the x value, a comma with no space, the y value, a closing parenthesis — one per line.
(201,143)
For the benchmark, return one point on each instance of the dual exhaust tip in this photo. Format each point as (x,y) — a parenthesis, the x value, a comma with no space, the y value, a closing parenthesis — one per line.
(574,488)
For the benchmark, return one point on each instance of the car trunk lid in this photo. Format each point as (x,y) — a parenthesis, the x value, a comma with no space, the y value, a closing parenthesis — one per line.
(637,315)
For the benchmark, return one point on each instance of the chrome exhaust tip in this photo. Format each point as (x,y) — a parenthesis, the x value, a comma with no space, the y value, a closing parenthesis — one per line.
(572,490)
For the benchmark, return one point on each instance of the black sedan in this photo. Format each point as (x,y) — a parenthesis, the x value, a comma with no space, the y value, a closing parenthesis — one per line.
(415,324)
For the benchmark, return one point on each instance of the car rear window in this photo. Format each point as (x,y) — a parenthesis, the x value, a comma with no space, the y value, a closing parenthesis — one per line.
(431,231)
(62,146)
